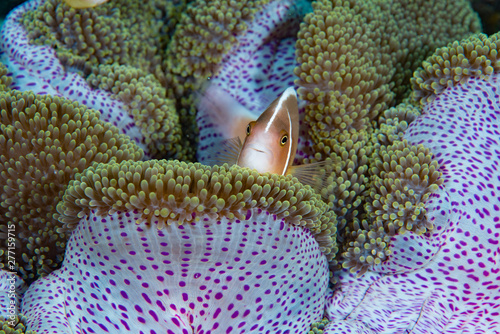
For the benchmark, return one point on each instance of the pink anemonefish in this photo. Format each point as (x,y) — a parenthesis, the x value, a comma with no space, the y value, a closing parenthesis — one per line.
(266,144)
(84,3)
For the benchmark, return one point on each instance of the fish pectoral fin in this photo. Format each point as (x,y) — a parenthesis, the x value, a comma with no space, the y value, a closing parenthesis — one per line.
(314,174)
(227,151)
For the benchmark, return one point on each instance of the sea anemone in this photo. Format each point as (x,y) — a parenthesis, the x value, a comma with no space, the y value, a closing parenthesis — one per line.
(44,142)
(171,247)
(444,279)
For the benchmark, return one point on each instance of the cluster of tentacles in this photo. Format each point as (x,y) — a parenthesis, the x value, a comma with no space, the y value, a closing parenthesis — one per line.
(402,100)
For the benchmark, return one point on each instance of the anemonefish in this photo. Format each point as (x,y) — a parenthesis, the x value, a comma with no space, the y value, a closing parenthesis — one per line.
(84,3)
(267,144)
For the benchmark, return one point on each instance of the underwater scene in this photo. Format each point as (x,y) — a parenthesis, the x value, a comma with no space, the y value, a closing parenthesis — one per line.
(265,166)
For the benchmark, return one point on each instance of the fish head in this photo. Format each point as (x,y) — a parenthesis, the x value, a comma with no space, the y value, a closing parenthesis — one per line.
(271,141)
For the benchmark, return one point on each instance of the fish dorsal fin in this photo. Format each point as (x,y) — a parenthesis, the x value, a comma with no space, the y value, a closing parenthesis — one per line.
(227,151)
(314,174)
(284,112)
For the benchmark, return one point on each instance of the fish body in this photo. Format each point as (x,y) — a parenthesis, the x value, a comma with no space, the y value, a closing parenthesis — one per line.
(84,3)
(268,143)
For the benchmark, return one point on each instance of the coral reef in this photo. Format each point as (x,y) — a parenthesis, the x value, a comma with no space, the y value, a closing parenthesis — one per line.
(180,246)
(352,42)
(45,141)
(362,241)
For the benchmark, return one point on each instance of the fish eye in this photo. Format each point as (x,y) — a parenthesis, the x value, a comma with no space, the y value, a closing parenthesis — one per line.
(248,129)
(283,140)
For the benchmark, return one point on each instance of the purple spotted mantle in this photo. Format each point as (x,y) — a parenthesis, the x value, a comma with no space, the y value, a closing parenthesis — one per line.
(38,69)
(447,281)
(260,275)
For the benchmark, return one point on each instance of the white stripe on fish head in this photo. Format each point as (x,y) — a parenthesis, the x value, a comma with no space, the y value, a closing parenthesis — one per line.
(289,92)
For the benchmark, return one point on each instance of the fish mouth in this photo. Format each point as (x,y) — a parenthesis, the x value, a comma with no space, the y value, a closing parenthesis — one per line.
(256,157)
(259,149)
